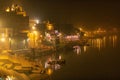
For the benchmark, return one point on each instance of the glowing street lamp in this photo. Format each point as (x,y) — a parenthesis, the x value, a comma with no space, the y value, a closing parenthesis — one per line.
(33,28)
(3,39)
(81,29)
(37,21)
(8,9)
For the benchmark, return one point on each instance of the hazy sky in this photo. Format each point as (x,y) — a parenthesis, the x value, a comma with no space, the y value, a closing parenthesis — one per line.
(90,12)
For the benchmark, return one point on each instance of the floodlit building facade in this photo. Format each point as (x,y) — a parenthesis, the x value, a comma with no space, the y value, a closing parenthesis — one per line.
(13,21)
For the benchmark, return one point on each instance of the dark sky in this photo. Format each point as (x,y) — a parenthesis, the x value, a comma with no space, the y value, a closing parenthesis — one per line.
(88,12)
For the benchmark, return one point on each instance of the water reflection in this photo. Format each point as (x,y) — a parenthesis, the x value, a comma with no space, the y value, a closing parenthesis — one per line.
(79,67)
(49,71)
(77,49)
(85,48)
(113,40)
(55,62)
(97,43)
(106,41)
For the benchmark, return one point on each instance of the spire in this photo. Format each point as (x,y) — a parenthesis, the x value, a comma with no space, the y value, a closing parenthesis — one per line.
(17,9)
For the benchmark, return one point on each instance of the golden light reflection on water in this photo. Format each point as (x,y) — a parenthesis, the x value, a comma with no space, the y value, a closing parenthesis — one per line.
(107,41)
(98,43)
(113,40)
(85,48)
(49,71)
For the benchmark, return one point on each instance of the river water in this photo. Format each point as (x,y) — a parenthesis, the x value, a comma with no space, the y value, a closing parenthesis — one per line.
(99,61)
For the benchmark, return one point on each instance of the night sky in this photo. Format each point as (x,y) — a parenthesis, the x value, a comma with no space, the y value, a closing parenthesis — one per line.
(78,12)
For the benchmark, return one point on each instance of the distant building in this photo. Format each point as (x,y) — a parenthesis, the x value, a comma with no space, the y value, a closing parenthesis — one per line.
(13,21)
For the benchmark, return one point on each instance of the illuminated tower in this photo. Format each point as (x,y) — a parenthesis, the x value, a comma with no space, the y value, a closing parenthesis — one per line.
(12,22)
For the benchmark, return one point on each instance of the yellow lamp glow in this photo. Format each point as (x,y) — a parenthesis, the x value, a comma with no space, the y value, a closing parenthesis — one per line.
(3,39)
